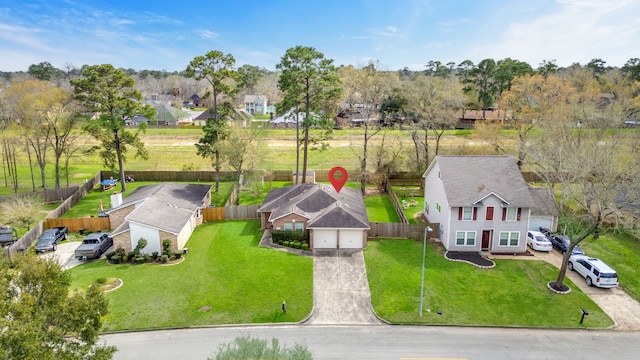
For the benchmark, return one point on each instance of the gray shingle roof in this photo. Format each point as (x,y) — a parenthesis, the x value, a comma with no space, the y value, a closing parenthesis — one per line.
(467,180)
(320,204)
(544,202)
(166,206)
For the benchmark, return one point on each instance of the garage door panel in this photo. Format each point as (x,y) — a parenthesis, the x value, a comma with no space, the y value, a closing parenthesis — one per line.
(325,239)
(350,239)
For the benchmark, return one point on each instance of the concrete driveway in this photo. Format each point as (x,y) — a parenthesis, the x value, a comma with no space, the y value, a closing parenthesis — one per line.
(64,255)
(620,307)
(340,289)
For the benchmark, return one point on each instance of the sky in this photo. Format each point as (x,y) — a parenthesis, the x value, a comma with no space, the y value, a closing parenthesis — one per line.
(167,35)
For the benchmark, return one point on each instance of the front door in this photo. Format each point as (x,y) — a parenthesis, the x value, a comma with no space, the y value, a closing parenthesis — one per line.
(486,239)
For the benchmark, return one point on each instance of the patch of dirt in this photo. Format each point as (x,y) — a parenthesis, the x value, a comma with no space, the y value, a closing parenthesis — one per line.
(372,191)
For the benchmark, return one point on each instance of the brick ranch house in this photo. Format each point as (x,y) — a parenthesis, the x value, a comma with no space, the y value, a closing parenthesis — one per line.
(334,220)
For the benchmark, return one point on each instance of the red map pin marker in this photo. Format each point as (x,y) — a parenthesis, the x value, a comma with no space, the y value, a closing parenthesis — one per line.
(338,183)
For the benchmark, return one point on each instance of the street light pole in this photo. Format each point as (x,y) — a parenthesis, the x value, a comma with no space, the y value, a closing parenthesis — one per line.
(424,251)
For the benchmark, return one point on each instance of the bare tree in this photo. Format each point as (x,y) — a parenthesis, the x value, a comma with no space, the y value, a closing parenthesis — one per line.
(592,165)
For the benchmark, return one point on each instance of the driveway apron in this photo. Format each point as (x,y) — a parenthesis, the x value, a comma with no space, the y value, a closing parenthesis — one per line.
(340,289)
(621,308)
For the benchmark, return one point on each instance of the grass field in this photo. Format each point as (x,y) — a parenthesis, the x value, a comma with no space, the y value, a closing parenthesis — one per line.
(380,208)
(225,279)
(514,293)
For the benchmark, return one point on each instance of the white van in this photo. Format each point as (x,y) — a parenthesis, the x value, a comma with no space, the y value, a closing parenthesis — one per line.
(594,271)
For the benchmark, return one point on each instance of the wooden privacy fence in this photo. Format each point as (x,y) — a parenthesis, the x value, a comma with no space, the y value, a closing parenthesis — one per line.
(231,213)
(89,224)
(396,203)
(402,231)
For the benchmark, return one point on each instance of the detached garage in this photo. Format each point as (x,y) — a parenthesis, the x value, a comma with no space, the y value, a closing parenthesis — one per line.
(334,220)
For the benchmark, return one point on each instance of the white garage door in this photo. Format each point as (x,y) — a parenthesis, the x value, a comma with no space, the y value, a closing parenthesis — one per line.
(536,222)
(325,239)
(350,239)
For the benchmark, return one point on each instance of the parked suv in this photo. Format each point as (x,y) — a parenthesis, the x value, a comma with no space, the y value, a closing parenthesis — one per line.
(594,271)
(538,241)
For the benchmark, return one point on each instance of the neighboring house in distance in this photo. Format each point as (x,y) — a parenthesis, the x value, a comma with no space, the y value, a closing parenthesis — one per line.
(480,202)
(194,101)
(136,121)
(201,120)
(168,115)
(334,220)
(544,213)
(158,212)
(255,104)
(469,118)
(288,120)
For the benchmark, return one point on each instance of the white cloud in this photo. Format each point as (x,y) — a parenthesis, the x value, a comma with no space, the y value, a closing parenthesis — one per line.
(207,34)
(578,31)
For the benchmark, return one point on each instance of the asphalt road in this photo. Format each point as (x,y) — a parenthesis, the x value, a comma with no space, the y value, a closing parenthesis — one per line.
(388,342)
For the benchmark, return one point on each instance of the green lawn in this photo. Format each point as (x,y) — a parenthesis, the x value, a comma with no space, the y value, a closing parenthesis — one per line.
(380,208)
(514,293)
(254,194)
(621,252)
(225,279)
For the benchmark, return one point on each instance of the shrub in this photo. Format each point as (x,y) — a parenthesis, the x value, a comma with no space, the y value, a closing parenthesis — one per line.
(140,260)
(155,255)
(285,243)
(304,246)
(131,255)
(116,259)
(165,259)
(149,258)
(101,281)
(178,254)
(301,236)
(109,255)
(142,243)
(120,252)
(296,244)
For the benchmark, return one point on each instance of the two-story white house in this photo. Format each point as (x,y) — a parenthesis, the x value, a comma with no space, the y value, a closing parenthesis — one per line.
(480,202)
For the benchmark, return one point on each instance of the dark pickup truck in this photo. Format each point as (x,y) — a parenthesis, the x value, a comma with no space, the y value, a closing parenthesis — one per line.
(93,245)
(8,236)
(49,239)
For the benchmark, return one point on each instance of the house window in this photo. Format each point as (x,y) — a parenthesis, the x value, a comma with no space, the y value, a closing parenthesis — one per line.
(426,208)
(511,214)
(509,238)
(465,238)
(438,207)
(198,212)
(467,213)
(489,216)
(299,226)
(288,226)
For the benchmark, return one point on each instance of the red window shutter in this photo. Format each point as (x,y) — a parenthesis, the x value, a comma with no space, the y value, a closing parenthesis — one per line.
(504,214)
(490,213)
(475,213)
(519,212)
(459,213)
